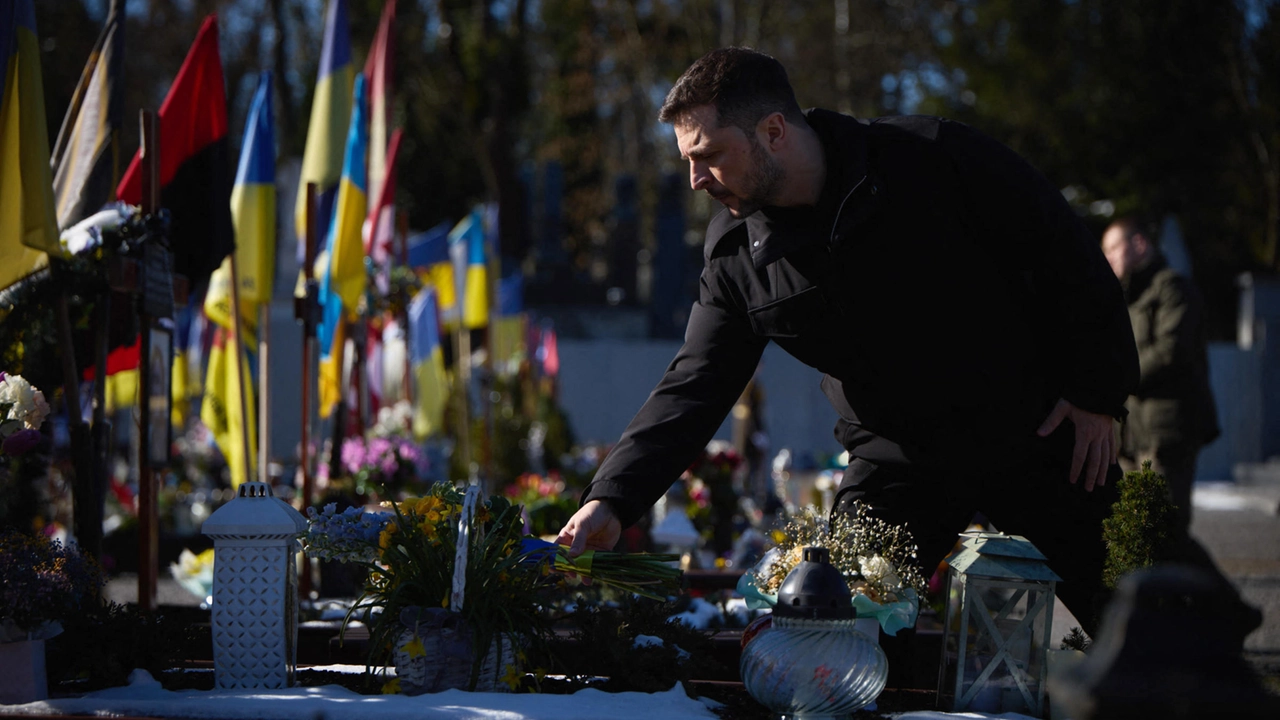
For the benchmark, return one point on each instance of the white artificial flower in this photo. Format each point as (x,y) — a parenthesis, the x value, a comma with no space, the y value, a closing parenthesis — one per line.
(26,403)
(876,569)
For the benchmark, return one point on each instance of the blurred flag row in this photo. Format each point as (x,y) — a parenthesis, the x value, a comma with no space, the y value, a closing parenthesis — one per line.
(350,155)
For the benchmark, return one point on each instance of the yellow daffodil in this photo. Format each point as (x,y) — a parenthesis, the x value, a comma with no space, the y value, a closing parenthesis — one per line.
(384,539)
(391,687)
(430,508)
(429,529)
(414,647)
(512,677)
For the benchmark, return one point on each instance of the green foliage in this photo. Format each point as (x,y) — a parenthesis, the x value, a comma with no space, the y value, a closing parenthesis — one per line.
(604,644)
(1140,530)
(1076,640)
(102,645)
(45,582)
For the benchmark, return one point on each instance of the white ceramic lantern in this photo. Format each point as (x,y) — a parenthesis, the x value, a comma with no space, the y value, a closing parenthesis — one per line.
(999,617)
(255,589)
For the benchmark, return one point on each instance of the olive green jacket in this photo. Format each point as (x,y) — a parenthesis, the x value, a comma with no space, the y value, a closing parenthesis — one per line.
(1174,403)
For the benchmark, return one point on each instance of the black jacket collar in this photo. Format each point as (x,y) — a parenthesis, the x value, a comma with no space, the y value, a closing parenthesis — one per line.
(772,232)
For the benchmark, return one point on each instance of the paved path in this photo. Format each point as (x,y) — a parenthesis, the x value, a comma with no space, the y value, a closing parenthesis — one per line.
(1240,527)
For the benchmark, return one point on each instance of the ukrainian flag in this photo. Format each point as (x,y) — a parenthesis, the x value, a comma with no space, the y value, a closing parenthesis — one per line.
(253,214)
(466,247)
(341,266)
(429,257)
(431,381)
(330,112)
(220,411)
(344,245)
(28,222)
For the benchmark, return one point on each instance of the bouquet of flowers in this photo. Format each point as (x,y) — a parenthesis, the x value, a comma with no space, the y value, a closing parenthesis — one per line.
(487,594)
(44,582)
(22,412)
(877,559)
(381,465)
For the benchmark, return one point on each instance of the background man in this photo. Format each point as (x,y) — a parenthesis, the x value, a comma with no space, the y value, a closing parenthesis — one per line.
(973,339)
(1171,415)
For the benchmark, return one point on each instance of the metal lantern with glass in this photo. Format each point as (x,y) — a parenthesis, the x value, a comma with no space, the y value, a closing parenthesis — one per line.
(1000,596)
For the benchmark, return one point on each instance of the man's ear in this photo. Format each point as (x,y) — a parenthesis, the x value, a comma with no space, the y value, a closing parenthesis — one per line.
(773,129)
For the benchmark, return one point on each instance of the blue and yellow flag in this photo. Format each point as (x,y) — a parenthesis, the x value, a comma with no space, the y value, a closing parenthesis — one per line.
(253,214)
(510,324)
(345,243)
(341,266)
(222,400)
(429,257)
(431,381)
(28,225)
(330,113)
(466,247)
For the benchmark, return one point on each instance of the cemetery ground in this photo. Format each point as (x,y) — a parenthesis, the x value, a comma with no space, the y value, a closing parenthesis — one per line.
(1239,526)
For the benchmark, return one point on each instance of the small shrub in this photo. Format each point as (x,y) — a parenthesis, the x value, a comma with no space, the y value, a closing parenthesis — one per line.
(1139,532)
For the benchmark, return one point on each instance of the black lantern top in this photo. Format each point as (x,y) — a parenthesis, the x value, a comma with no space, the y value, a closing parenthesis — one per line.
(815,590)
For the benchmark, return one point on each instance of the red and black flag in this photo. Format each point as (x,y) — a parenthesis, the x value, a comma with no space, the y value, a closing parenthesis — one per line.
(195,174)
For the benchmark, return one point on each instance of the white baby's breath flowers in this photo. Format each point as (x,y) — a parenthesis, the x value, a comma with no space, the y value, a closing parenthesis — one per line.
(877,559)
(26,403)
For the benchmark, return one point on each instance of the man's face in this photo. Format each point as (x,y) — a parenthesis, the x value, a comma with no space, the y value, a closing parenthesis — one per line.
(731,166)
(1121,251)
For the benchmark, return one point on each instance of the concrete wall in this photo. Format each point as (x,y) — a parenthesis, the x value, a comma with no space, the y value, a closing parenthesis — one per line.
(1236,376)
(604,382)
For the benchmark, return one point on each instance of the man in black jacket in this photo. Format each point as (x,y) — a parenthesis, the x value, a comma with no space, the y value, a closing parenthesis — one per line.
(973,338)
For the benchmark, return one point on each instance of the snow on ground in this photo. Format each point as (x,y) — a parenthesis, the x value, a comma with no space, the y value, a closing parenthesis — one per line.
(145,697)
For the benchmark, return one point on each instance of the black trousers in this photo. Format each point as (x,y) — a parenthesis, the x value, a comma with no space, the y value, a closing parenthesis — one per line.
(1029,496)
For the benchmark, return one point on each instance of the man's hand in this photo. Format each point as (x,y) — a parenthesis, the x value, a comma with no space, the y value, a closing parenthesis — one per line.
(1095,447)
(593,527)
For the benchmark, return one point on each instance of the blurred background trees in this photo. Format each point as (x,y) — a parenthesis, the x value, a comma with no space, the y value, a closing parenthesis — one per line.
(1159,106)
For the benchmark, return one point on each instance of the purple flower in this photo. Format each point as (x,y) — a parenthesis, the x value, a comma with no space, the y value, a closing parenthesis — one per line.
(353,455)
(21,442)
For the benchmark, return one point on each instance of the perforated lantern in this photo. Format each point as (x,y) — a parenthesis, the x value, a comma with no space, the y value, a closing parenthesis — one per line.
(255,589)
(999,616)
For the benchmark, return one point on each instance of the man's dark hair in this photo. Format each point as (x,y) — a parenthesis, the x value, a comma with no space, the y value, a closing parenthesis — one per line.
(1132,225)
(744,86)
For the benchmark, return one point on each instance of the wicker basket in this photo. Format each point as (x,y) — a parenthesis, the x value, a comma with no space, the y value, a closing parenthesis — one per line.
(442,667)
(449,651)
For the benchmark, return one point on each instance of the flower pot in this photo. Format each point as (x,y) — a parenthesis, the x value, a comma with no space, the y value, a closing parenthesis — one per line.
(22,673)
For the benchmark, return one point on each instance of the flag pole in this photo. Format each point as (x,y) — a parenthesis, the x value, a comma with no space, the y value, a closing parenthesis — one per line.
(464,415)
(264,397)
(148,519)
(402,223)
(306,313)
